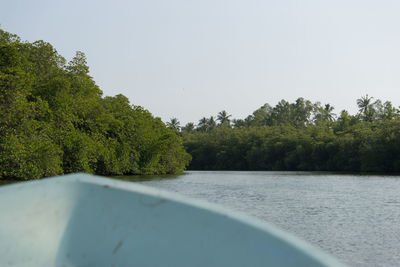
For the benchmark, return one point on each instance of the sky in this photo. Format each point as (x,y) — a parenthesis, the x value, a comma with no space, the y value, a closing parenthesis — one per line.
(194,58)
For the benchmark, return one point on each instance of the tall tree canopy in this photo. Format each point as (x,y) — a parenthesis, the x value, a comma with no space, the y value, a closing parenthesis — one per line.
(302,136)
(54,120)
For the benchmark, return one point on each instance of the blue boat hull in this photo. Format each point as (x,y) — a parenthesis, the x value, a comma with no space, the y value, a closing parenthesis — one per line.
(84,220)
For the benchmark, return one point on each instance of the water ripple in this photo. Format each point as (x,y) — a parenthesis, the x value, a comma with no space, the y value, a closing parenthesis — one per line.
(355,218)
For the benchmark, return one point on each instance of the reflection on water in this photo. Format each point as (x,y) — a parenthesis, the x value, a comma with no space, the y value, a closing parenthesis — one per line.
(6,182)
(133,178)
(146,178)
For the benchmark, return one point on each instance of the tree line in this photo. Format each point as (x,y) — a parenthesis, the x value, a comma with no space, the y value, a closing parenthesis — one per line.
(54,120)
(298,136)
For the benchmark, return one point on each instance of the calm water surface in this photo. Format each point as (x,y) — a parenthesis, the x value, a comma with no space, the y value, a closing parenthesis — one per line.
(355,218)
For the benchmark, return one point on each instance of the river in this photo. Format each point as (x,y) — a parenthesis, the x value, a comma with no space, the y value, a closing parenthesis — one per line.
(355,218)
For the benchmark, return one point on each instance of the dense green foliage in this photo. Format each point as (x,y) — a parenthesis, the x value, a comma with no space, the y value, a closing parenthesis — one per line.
(301,136)
(54,120)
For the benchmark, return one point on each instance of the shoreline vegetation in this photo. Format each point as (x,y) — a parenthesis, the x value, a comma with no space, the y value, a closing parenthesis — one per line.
(54,120)
(299,136)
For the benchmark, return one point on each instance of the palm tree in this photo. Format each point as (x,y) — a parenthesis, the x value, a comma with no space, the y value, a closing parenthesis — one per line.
(323,114)
(189,127)
(203,124)
(174,124)
(364,104)
(223,117)
(329,115)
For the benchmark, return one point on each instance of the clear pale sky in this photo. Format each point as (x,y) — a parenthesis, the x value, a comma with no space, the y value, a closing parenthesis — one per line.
(189,59)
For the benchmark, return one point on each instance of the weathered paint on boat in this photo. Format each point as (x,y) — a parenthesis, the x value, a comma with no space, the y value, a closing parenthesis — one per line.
(84,220)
